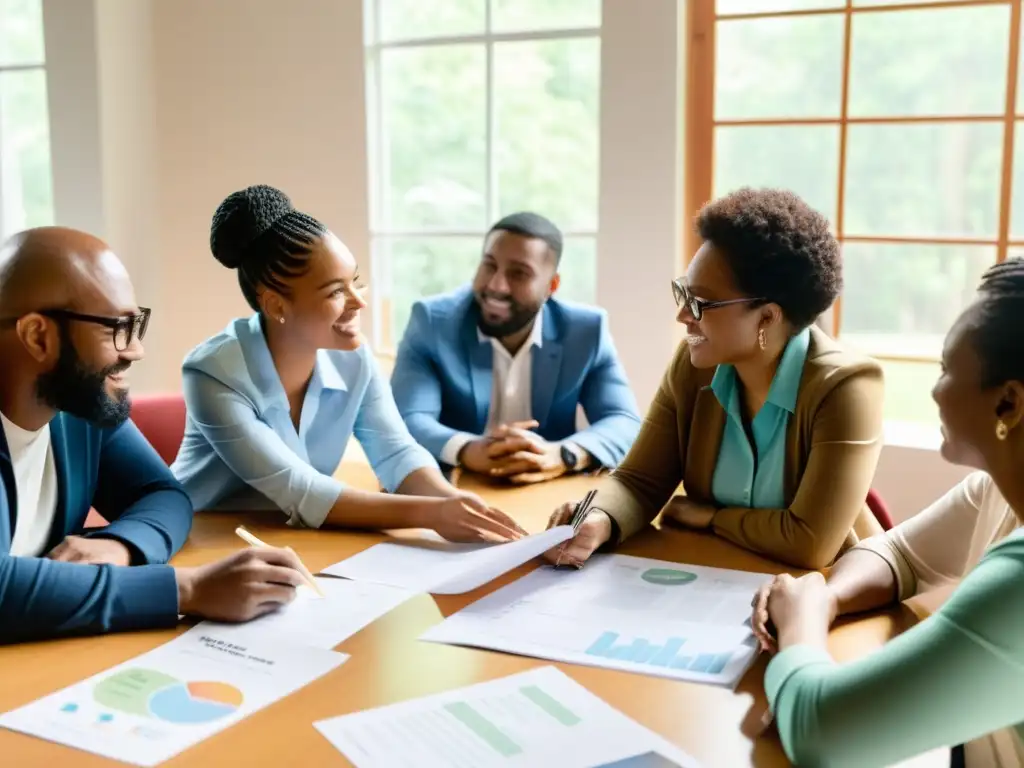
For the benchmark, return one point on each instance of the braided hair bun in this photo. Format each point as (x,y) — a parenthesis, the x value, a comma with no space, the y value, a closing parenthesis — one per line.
(258,232)
(242,219)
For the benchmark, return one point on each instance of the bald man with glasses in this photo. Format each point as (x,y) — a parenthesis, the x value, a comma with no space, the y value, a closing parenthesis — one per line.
(70,331)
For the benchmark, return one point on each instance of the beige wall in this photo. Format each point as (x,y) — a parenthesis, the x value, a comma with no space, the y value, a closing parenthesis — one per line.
(263,91)
(162,107)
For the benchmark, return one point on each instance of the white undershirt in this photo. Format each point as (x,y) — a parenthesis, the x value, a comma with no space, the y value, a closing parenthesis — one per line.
(35,481)
(511,388)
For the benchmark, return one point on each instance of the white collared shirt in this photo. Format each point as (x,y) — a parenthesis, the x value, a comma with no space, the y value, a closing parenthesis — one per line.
(511,387)
(35,482)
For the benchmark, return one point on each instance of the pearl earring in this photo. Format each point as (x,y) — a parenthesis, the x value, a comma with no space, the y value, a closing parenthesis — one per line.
(280,320)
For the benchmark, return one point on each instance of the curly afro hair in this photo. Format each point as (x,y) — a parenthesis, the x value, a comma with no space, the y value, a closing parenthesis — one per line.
(778,248)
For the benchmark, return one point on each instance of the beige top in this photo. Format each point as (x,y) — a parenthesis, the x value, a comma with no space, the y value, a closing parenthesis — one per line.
(936,548)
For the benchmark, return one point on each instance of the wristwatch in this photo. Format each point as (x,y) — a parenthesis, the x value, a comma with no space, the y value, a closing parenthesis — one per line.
(571,457)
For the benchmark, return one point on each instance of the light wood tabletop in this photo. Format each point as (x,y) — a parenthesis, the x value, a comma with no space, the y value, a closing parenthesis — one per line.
(388,664)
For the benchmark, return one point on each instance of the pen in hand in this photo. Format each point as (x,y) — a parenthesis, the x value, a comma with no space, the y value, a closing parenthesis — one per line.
(255,542)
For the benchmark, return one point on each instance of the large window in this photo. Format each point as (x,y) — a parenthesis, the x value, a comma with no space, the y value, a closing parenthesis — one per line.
(478,108)
(895,118)
(26,186)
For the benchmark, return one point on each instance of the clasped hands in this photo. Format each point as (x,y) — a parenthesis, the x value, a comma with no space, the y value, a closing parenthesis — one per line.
(512,452)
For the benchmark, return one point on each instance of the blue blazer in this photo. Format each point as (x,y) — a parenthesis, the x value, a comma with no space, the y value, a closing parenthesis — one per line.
(442,377)
(120,474)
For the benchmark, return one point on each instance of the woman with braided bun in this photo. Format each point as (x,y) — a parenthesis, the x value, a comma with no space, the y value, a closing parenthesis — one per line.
(274,398)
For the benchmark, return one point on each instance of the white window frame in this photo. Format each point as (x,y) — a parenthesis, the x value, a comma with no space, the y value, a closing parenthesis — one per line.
(383,335)
(4,68)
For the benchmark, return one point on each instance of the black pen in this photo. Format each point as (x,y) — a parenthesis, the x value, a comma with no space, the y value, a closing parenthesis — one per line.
(582,510)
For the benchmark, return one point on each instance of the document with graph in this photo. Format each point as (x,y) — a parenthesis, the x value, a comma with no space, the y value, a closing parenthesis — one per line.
(540,717)
(630,613)
(149,709)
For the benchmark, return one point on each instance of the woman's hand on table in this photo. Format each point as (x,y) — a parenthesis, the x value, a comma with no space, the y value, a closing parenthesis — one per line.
(800,609)
(465,517)
(592,533)
(815,605)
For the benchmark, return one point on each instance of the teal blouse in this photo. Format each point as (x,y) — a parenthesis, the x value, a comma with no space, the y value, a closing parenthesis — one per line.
(751,476)
(953,678)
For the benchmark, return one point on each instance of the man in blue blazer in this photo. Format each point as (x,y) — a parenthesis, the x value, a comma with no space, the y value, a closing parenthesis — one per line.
(489,377)
(69,332)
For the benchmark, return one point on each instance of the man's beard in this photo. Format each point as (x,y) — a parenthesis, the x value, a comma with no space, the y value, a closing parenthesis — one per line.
(519,316)
(73,388)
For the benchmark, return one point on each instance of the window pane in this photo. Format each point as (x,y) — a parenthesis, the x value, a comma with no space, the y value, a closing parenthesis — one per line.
(578,269)
(925,180)
(727,7)
(930,62)
(529,15)
(803,158)
(26,181)
(546,135)
(413,19)
(779,67)
(421,267)
(877,3)
(903,299)
(21,32)
(434,137)
(908,387)
(1017,199)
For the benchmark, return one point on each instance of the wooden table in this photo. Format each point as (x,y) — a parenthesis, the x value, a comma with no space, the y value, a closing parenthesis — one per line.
(388,664)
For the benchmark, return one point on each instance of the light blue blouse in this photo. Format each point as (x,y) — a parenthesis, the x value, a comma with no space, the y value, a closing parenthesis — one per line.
(753,476)
(241,449)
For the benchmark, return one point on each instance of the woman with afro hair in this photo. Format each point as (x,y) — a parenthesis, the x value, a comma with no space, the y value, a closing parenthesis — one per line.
(773,429)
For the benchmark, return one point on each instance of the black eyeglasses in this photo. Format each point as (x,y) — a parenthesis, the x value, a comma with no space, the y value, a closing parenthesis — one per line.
(125,328)
(697,306)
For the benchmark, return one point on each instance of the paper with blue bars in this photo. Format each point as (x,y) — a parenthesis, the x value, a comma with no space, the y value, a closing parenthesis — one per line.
(631,613)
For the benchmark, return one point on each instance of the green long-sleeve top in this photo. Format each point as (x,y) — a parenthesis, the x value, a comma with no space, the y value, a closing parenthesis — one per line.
(954,677)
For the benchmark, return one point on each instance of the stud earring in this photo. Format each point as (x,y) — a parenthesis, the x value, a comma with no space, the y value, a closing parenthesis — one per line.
(1001,430)
(280,320)
(762,339)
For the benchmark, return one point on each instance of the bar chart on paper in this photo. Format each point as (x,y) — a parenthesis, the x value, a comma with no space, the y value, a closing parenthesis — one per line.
(623,612)
(670,654)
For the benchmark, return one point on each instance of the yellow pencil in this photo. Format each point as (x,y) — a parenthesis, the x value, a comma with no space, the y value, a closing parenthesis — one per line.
(255,542)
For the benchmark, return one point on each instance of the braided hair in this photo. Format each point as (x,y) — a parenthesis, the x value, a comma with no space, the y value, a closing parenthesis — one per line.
(996,332)
(258,232)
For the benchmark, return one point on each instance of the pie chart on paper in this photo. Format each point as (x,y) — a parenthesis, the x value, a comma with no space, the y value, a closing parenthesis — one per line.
(150,693)
(192,703)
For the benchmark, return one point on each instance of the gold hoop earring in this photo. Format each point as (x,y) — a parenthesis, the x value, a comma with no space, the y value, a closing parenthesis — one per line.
(1001,430)
(762,339)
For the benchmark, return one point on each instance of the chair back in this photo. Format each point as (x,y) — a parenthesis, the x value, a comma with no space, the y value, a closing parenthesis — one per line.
(161,419)
(879,509)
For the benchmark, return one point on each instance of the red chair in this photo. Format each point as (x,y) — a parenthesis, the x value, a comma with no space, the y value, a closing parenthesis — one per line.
(161,419)
(879,509)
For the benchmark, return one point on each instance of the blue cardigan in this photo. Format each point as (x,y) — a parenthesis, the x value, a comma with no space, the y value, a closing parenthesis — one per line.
(117,472)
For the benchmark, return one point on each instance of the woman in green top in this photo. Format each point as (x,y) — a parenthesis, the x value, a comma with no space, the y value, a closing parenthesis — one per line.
(960,674)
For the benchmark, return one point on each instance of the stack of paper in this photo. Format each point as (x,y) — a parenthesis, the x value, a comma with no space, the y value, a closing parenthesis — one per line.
(309,620)
(537,718)
(623,612)
(445,569)
(162,702)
